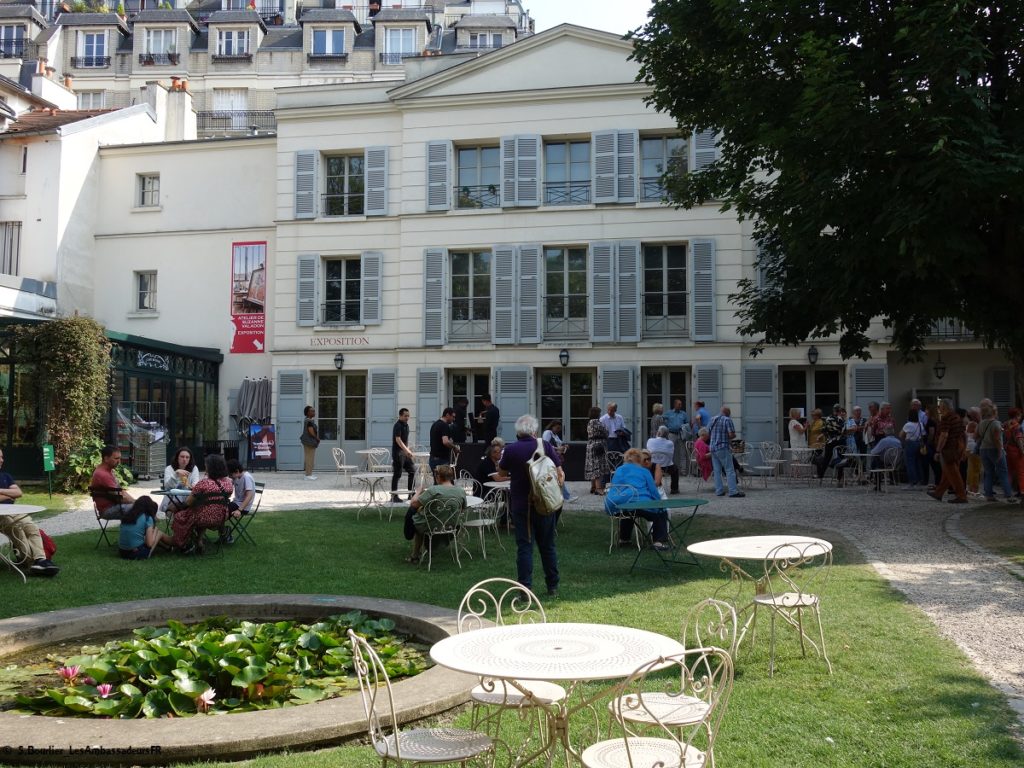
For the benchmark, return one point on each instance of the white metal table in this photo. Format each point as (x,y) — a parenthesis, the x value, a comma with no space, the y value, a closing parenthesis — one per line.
(377,495)
(566,653)
(735,550)
(16,512)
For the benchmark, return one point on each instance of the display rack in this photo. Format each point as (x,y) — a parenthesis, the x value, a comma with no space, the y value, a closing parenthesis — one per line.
(142,437)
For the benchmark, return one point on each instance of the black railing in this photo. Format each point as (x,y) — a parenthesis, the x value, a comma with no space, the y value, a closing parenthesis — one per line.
(327,57)
(352,204)
(565,315)
(651,189)
(364,13)
(158,59)
(396,58)
(482,196)
(339,312)
(232,57)
(235,122)
(12,49)
(90,62)
(267,10)
(665,313)
(950,330)
(566,192)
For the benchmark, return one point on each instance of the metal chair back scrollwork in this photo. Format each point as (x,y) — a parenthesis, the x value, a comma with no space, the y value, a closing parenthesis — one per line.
(615,494)
(444,517)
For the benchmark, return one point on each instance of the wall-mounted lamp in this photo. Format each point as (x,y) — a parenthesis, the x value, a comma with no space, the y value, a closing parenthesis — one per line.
(339,361)
(563,357)
(812,355)
(939,369)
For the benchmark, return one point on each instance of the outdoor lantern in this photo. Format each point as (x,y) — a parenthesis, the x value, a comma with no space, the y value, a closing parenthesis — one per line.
(563,357)
(939,369)
(339,361)
(812,355)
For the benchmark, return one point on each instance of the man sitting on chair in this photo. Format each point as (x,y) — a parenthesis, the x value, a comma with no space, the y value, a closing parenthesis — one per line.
(22,532)
(415,521)
(632,473)
(105,487)
(245,489)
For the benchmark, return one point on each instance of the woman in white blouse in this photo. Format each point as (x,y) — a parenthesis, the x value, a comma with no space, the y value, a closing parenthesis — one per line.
(797,430)
(181,473)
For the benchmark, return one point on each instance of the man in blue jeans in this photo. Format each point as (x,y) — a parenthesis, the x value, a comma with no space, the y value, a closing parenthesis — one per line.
(722,433)
(529,525)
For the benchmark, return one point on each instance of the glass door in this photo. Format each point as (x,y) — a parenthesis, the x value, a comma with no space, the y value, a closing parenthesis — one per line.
(665,387)
(471,385)
(341,416)
(567,397)
(807,389)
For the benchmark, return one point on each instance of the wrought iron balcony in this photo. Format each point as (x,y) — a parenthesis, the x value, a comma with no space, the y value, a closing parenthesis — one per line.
(12,49)
(665,313)
(158,59)
(326,58)
(565,316)
(567,192)
(232,57)
(90,62)
(339,312)
(950,330)
(352,204)
(396,58)
(481,196)
(235,122)
(651,189)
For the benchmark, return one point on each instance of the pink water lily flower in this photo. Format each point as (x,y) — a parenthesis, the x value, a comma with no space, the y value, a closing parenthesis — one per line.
(205,699)
(70,674)
(104,689)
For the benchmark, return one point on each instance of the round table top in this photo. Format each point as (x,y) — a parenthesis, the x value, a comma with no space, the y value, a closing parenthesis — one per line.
(553,651)
(498,483)
(421,454)
(669,503)
(474,501)
(15,510)
(758,547)
(171,492)
(371,475)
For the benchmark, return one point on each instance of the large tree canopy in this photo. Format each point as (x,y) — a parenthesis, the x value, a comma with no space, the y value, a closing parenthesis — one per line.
(878,148)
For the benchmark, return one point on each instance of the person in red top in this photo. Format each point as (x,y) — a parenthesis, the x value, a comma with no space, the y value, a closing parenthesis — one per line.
(1013,443)
(103,480)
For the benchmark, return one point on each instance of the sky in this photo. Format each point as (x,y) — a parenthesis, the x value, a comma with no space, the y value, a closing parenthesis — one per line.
(617,16)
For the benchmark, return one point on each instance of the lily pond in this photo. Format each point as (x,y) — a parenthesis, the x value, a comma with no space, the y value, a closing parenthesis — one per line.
(218,665)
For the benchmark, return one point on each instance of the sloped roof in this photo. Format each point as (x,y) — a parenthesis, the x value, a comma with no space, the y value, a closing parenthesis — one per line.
(91,20)
(46,120)
(236,17)
(282,38)
(485,21)
(156,16)
(366,39)
(22,12)
(402,14)
(328,14)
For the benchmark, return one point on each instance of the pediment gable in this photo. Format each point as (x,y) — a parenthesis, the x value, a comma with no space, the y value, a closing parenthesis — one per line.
(563,57)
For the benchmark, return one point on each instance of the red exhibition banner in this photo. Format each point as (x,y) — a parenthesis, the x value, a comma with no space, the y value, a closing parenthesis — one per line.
(248,296)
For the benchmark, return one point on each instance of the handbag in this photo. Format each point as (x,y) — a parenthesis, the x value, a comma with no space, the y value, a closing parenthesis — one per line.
(545,492)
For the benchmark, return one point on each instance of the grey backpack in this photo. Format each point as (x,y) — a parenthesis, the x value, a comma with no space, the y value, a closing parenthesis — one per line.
(545,492)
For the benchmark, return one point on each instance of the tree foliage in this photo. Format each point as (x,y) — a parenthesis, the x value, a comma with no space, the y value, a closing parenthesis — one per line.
(878,149)
(71,357)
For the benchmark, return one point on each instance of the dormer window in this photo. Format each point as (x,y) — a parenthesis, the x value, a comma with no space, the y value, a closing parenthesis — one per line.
(328,42)
(92,50)
(12,41)
(232,42)
(160,47)
(485,40)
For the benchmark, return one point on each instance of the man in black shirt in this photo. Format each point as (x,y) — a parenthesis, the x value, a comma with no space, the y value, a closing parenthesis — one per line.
(441,444)
(491,416)
(459,425)
(401,456)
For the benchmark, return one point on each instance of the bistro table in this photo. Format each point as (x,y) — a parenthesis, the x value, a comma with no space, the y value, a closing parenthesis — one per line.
(860,466)
(177,498)
(16,512)
(733,551)
(677,530)
(377,495)
(564,653)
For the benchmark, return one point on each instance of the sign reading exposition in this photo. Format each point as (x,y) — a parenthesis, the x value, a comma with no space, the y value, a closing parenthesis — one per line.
(248,296)
(262,442)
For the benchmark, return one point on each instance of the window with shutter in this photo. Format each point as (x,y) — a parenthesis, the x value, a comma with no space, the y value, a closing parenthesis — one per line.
(306,289)
(470,295)
(705,149)
(602,291)
(520,162)
(305,184)
(382,409)
(528,284)
(665,300)
(870,383)
(376,162)
(618,385)
(372,269)
(512,396)
(708,387)
(702,254)
(439,161)
(625,165)
(291,399)
(503,289)
(428,401)
(759,411)
(565,293)
(435,271)
(627,310)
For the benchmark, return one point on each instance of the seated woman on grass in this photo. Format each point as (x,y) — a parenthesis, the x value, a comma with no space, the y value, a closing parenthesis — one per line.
(415,521)
(138,534)
(633,474)
(207,506)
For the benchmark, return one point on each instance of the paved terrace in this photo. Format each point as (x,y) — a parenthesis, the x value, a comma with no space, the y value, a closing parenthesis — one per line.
(974,598)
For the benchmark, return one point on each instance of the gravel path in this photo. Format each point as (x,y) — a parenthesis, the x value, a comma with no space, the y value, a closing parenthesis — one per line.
(974,598)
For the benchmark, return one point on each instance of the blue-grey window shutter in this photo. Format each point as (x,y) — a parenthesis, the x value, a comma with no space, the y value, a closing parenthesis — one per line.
(528,155)
(306,310)
(629,274)
(508,171)
(529,285)
(604,170)
(376,159)
(707,387)
(435,288)
(372,279)
(760,417)
(291,399)
(870,383)
(627,144)
(428,401)
(503,295)
(702,293)
(512,396)
(305,184)
(439,171)
(999,388)
(602,291)
(705,149)
(383,410)
(617,384)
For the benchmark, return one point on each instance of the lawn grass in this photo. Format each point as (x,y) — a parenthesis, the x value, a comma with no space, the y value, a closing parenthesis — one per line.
(33,493)
(901,695)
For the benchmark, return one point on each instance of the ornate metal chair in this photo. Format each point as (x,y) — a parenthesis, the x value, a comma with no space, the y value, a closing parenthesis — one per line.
(504,601)
(417,746)
(378,460)
(445,517)
(685,718)
(344,468)
(884,476)
(486,516)
(794,577)
(239,526)
(771,461)
(625,494)
(614,459)
(468,483)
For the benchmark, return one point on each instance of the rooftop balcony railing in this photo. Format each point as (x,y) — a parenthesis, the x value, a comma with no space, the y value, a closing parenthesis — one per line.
(159,59)
(90,62)
(567,192)
(12,49)
(235,122)
(480,196)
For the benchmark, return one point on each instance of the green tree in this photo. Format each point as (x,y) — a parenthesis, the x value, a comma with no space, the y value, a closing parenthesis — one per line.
(878,149)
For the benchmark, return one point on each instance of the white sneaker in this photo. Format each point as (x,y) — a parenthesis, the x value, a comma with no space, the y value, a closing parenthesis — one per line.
(661,492)
(311,477)
(572,497)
